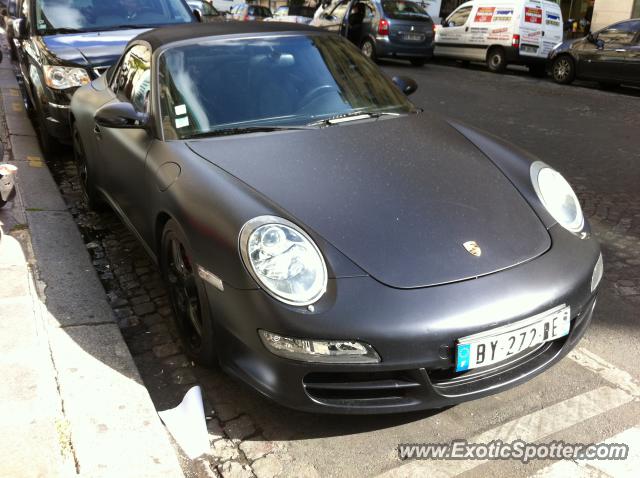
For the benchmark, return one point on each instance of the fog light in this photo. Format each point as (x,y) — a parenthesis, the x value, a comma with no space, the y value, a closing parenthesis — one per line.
(597,274)
(325,351)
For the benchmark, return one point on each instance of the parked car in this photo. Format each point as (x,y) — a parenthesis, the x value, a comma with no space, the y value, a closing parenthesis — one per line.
(225,6)
(9,14)
(68,43)
(205,11)
(610,56)
(250,13)
(293,14)
(501,32)
(323,238)
(382,28)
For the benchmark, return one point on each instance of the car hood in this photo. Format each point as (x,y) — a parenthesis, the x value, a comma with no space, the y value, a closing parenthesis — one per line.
(94,49)
(398,197)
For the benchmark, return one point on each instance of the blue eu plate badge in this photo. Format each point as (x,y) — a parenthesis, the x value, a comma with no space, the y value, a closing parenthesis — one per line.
(464,352)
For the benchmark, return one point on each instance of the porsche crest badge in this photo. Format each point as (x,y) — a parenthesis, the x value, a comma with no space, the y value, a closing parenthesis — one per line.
(473,248)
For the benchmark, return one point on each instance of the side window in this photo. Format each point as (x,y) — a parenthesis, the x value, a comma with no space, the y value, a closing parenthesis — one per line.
(459,17)
(340,11)
(369,12)
(133,78)
(621,33)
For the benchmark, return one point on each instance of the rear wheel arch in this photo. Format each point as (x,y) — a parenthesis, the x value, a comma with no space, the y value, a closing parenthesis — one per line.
(496,58)
(161,221)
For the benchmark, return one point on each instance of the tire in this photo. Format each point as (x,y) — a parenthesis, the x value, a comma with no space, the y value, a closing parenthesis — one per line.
(191,315)
(418,62)
(90,195)
(369,50)
(563,70)
(496,60)
(48,143)
(538,71)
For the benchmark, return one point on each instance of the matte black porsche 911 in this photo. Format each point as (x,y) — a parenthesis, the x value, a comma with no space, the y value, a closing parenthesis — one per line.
(323,239)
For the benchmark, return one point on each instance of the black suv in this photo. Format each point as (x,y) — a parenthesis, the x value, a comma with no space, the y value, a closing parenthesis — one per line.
(68,43)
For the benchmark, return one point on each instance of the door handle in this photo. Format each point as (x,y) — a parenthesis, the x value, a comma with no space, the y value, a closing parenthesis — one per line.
(621,50)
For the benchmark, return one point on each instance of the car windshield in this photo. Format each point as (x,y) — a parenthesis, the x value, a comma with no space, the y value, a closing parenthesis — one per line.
(399,10)
(55,16)
(279,81)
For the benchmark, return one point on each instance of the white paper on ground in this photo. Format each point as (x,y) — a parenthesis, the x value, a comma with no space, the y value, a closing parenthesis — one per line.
(187,424)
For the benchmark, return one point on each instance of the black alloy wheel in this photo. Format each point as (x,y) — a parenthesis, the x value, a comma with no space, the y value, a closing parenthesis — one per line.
(191,315)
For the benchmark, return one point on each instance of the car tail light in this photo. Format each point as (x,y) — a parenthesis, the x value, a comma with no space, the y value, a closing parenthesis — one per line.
(515,41)
(383,27)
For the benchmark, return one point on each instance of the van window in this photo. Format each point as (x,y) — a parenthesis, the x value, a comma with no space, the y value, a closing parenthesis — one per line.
(401,10)
(459,17)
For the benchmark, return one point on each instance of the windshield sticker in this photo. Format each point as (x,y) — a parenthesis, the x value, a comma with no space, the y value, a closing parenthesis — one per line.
(181,110)
(182,122)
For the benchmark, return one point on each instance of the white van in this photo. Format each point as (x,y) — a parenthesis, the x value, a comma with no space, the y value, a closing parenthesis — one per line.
(500,32)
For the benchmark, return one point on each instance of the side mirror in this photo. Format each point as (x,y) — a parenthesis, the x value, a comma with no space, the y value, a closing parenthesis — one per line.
(407,85)
(20,28)
(121,115)
(599,44)
(197,14)
(4,12)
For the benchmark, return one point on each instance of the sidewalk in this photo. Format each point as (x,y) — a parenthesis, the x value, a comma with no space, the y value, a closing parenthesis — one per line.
(72,402)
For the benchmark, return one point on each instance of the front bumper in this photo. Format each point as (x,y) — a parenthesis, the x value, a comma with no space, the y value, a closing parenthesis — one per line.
(414,332)
(56,113)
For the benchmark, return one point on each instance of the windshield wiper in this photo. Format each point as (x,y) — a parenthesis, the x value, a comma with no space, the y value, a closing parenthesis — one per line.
(245,130)
(354,116)
(55,31)
(126,26)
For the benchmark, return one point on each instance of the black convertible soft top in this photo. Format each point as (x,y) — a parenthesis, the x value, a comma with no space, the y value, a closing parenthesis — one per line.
(163,36)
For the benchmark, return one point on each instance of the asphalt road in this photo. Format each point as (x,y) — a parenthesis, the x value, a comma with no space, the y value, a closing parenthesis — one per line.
(592,136)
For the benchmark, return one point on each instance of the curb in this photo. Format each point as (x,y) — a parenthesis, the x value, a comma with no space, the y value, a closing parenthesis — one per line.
(110,421)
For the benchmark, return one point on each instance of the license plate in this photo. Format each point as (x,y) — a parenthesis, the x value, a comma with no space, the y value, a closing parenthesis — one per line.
(413,37)
(499,344)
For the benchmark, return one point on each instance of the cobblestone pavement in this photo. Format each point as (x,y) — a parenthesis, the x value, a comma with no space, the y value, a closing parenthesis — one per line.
(251,436)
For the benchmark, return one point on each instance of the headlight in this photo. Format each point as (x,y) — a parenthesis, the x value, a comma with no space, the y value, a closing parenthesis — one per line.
(63,77)
(323,351)
(557,196)
(283,259)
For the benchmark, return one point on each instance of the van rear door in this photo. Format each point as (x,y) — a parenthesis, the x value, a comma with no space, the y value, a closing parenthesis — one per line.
(531,29)
(551,27)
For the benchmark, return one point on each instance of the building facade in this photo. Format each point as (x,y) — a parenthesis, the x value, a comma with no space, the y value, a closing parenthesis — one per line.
(606,12)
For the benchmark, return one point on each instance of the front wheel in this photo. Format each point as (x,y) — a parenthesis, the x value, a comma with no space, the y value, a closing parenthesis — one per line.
(191,314)
(48,143)
(497,60)
(369,50)
(563,70)
(89,194)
